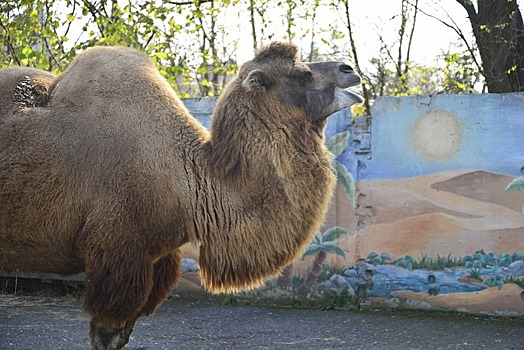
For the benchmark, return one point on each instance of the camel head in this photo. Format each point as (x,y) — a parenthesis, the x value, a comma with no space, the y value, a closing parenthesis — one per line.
(319,89)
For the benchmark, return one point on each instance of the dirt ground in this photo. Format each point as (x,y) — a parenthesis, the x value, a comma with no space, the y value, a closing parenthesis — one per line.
(36,322)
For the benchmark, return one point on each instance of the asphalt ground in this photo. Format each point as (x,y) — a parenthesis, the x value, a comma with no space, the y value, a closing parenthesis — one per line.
(36,322)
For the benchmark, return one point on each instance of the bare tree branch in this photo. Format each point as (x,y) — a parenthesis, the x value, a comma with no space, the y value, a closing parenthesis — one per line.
(252,20)
(411,35)
(457,30)
(385,47)
(95,12)
(355,56)
(184,3)
(401,32)
(9,44)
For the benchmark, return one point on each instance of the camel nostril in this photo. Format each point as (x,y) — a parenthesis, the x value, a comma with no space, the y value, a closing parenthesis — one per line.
(344,68)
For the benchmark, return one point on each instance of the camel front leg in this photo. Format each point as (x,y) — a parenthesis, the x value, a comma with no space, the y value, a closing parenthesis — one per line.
(166,273)
(117,290)
(108,336)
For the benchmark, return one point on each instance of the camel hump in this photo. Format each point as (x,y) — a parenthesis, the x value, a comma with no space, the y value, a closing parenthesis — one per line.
(24,87)
(104,68)
(117,80)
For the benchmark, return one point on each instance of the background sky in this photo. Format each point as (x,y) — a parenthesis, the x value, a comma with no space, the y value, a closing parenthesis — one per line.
(374,18)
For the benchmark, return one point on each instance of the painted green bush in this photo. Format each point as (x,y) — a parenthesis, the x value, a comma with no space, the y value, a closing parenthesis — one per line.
(481,264)
(376,259)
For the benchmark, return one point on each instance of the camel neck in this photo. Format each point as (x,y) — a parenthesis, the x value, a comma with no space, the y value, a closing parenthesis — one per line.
(256,217)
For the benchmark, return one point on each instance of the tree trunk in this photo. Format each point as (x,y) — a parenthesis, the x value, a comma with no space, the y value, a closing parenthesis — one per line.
(365,90)
(286,277)
(499,32)
(312,277)
(253,25)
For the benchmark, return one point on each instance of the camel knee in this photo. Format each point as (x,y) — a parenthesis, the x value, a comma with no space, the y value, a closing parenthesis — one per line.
(117,287)
(167,272)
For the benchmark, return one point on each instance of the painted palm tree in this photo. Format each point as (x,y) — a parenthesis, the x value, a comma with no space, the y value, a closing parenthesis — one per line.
(517,185)
(322,245)
(336,144)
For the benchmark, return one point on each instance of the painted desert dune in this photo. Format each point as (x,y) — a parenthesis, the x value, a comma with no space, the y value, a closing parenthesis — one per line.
(453,213)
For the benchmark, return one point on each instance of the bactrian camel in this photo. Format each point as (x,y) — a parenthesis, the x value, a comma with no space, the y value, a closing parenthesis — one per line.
(110,175)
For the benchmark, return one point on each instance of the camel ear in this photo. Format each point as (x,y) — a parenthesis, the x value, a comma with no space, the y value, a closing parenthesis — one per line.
(257,80)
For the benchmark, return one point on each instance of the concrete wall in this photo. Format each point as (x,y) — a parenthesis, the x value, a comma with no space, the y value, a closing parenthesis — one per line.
(421,217)
(435,222)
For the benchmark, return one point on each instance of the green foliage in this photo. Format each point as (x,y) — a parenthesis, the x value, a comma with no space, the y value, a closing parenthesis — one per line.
(182,40)
(195,43)
(460,74)
(517,256)
(230,300)
(296,281)
(438,263)
(476,262)
(482,259)
(489,260)
(475,274)
(333,234)
(327,247)
(330,270)
(28,31)
(337,301)
(457,75)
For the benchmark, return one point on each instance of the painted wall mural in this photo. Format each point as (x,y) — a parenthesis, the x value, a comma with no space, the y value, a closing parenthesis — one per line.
(428,212)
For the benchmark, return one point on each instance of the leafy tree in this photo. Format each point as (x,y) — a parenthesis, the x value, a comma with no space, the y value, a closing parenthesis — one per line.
(194,42)
(176,35)
(406,31)
(459,75)
(29,34)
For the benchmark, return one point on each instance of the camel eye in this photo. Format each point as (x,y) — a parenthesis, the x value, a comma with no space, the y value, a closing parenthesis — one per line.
(303,76)
(307,75)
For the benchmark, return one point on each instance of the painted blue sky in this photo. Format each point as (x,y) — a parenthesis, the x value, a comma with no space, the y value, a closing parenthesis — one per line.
(490,135)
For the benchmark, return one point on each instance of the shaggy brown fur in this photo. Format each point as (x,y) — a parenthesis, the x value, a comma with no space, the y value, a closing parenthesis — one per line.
(114,175)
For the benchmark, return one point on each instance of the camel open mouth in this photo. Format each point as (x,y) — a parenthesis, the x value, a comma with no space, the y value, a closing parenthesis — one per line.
(355,95)
(349,88)
(349,96)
